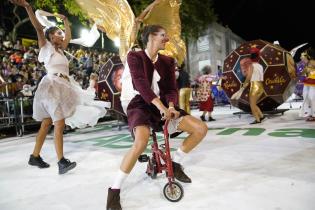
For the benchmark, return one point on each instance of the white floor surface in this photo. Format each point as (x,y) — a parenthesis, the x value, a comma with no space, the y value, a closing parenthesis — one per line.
(269,167)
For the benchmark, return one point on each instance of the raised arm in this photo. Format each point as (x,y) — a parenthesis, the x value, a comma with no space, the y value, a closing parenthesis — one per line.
(145,12)
(67,39)
(38,27)
(67,31)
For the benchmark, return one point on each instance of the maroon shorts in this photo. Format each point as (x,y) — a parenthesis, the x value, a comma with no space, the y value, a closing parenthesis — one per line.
(141,113)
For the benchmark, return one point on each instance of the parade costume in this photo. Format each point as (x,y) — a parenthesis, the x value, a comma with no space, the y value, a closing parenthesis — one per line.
(254,78)
(87,41)
(117,20)
(204,93)
(58,96)
(183,82)
(256,86)
(308,106)
(146,84)
(256,90)
(144,74)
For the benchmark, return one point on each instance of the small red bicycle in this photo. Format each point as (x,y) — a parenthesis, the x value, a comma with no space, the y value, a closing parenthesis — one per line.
(161,161)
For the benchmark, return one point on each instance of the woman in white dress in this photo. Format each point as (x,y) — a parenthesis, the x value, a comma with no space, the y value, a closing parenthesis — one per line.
(58,99)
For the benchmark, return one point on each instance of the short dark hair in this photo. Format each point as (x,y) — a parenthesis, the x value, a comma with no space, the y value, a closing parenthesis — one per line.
(49,31)
(206,69)
(147,30)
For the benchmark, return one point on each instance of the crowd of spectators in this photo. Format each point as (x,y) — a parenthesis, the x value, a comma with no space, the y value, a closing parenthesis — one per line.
(20,70)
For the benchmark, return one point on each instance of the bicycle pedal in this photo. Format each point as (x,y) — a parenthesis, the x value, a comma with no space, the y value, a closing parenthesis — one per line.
(143,158)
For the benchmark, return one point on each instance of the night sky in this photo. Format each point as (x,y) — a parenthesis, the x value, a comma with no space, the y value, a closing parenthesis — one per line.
(289,22)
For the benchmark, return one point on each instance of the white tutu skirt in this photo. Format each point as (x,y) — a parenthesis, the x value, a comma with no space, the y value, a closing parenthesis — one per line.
(58,99)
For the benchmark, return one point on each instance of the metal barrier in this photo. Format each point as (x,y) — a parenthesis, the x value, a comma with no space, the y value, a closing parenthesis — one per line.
(25,113)
(8,114)
(17,113)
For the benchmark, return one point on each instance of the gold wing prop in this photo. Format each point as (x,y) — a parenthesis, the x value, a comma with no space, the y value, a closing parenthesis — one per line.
(166,14)
(115,18)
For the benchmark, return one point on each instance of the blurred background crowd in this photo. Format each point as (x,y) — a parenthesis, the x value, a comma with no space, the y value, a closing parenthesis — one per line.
(20,70)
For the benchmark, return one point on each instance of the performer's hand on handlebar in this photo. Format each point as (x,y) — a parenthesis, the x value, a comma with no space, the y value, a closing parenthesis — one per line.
(174,113)
(166,115)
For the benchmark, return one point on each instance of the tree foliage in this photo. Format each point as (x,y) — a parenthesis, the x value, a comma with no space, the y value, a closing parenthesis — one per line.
(195,15)
(60,6)
(65,7)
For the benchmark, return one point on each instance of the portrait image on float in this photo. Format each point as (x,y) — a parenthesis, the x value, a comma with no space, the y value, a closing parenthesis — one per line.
(279,75)
(114,78)
(109,84)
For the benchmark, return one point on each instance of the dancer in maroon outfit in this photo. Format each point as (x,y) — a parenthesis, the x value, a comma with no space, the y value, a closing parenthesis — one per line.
(153,76)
